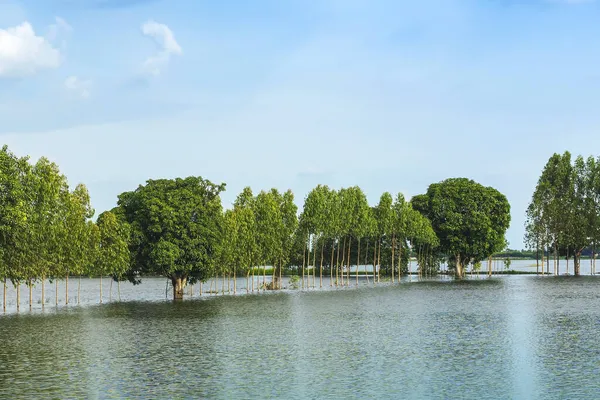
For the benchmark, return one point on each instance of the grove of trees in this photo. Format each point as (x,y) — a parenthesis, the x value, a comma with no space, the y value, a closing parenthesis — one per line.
(178,229)
(563,217)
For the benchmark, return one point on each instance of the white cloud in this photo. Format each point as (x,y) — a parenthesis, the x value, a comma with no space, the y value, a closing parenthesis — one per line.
(24,53)
(79,86)
(168,46)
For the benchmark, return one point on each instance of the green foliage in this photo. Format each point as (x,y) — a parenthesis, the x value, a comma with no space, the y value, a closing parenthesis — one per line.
(176,227)
(112,235)
(470,220)
(564,212)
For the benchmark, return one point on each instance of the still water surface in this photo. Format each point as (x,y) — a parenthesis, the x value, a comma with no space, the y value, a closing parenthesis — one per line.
(511,337)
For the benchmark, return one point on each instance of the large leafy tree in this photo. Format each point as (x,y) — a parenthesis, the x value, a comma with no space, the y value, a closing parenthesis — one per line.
(469,219)
(176,229)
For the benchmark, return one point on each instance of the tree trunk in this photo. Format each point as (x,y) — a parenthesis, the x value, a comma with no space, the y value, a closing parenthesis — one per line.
(264,276)
(542,260)
(321,267)
(18,296)
(119,289)
(30,294)
(576,263)
(357,260)
(459,269)
(366,261)
(280,273)
(567,260)
(375,263)
(223,285)
(400,260)
(67,289)
(537,260)
(4,295)
(234,282)
(331,266)
(43,290)
(337,264)
(248,282)
(349,263)
(303,263)
(379,262)
(79,289)
(548,262)
(490,266)
(253,279)
(341,268)
(393,248)
(307,265)
(314,270)
(178,286)
(594,259)
(101,289)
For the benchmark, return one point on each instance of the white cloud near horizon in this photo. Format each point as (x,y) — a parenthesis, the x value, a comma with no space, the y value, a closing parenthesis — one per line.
(168,46)
(79,86)
(24,53)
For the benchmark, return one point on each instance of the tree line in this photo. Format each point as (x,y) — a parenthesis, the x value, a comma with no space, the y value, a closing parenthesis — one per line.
(178,229)
(563,217)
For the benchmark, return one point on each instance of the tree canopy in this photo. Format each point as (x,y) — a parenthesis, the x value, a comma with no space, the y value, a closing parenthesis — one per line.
(470,219)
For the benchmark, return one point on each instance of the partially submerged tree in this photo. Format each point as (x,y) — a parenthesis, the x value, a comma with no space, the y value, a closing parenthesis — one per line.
(176,229)
(470,219)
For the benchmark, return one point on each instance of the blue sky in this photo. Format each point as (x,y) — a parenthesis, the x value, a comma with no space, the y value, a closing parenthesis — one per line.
(387,95)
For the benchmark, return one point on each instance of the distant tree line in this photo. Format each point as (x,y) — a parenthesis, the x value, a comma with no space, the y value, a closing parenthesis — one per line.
(177,228)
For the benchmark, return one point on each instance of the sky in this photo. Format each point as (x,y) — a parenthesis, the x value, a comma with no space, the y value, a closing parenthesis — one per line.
(388,95)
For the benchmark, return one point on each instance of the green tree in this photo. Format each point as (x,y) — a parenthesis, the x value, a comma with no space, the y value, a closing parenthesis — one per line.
(176,229)
(113,257)
(470,220)
(13,219)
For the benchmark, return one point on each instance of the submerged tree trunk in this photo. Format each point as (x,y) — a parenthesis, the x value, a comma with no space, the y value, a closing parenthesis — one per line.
(321,267)
(178,286)
(341,267)
(307,265)
(303,263)
(459,268)
(366,261)
(314,269)
(375,263)
(331,263)
(393,248)
(349,263)
(337,264)
(43,290)
(357,260)
(379,262)
(542,256)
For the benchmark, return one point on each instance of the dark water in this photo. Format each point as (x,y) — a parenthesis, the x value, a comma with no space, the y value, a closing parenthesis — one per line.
(515,337)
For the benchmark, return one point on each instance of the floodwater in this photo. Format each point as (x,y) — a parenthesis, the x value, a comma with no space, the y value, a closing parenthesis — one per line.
(509,337)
